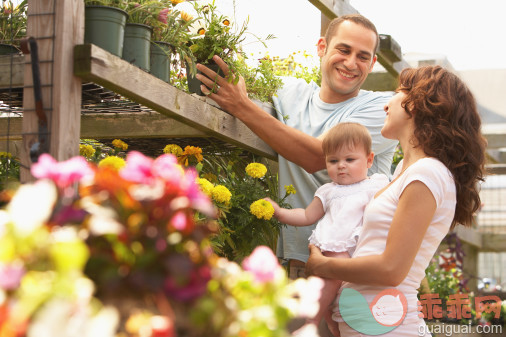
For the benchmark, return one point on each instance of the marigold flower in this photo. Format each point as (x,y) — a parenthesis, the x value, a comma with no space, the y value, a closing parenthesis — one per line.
(221,194)
(190,151)
(173,149)
(118,143)
(86,150)
(262,209)
(206,186)
(290,189)
(5,155)
(114,162)
(256,170)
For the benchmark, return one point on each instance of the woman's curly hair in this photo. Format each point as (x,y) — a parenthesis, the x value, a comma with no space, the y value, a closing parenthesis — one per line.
(448,127)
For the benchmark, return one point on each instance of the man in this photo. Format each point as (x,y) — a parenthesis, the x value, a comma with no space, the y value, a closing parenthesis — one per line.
(348,54)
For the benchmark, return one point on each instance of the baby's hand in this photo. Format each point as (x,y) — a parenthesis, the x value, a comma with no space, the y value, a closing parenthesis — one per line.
(275,205)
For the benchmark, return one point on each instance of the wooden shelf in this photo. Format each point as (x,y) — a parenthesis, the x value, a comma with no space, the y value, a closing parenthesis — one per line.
(94,64)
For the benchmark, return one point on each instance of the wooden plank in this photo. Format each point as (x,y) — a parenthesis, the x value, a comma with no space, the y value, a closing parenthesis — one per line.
(11,71)
(109,126)
(470,236)
(493,242)
(97,65)
(495,134)
(56,25)
(67,88)
(496,168)
(39,27)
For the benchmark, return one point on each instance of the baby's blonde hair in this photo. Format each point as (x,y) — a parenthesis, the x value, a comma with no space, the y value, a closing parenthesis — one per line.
(349,134)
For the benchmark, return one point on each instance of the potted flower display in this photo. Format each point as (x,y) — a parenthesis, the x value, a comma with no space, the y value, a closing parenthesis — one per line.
(170,38)
(12,26)
(104,24)
(212,33)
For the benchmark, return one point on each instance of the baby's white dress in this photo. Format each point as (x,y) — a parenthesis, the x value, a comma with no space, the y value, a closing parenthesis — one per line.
(338,230)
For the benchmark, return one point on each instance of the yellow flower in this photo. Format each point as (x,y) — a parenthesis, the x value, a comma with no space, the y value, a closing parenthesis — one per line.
(5,155)
(114,162)
(175,2)
(173,149)
(262,209)
(256,170)
(118,143)
(186,16)
(206,186)
(86,150)
(290,189)
(221,194)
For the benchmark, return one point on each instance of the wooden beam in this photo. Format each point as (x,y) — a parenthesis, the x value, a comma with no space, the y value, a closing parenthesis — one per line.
(493,242)
(56,26)
(469,235)
(97,65)
(495,134)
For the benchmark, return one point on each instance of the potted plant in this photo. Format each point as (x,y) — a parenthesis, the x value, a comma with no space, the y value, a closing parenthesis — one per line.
(104,24)
(170,37)
(212,33)
(12,26)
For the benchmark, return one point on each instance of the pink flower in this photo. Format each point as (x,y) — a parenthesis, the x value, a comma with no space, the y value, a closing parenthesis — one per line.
(162,16)
(262,263)
(62,173)
(10,276)
(198,199)
(137,168)
(179,221)
(167,168)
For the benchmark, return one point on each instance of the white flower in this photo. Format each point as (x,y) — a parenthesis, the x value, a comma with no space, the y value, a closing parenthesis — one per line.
(198,29)
(32,206)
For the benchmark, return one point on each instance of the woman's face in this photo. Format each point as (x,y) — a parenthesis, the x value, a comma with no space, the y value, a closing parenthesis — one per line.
(397,118)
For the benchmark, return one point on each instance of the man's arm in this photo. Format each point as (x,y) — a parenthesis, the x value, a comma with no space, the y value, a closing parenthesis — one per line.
(292,144)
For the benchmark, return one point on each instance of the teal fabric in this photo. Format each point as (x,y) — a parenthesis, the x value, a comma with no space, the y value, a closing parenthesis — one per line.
(301,103)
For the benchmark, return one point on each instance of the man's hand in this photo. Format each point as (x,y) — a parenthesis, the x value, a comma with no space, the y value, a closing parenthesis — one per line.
(228,91)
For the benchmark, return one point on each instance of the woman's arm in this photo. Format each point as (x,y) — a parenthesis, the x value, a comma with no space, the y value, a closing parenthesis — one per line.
(299,216)
(411,219)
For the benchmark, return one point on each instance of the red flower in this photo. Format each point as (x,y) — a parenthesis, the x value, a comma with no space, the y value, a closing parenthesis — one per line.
(162,16)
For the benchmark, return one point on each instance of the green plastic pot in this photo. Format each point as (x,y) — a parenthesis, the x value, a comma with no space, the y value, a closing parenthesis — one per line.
(105,27)
(137,45)
(160,57)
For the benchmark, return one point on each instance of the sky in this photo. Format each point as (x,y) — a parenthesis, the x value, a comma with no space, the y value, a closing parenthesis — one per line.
(470,33)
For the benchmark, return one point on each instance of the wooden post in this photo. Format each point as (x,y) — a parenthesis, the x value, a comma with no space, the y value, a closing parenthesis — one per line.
(56,25)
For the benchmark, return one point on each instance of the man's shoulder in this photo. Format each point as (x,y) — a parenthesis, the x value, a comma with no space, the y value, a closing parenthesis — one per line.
(295,85)
(374,96)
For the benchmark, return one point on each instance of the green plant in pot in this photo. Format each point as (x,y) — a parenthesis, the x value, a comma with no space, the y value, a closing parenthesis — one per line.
(121,4)
(104,24)
(170,38)
(12,26)
(213,33)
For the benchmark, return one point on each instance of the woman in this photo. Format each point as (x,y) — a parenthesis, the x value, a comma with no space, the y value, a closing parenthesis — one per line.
(435,187)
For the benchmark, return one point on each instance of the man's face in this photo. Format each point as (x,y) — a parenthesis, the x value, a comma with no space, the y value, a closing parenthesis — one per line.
(346,60)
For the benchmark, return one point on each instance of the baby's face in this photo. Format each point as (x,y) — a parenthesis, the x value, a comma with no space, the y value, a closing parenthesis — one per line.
(348,165)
